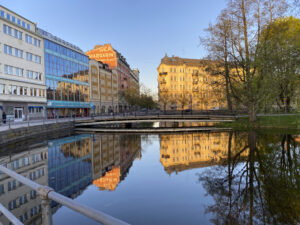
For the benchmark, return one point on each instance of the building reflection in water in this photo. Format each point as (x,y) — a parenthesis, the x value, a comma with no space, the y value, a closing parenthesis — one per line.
(180,152)
(70,168)
(68,165)
(112,158)
(21,200)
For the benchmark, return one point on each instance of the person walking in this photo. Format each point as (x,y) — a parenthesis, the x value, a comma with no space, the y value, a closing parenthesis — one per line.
(4,117)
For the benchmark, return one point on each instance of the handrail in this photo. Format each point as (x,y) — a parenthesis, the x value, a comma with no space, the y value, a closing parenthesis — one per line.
(47,193)
(10,216)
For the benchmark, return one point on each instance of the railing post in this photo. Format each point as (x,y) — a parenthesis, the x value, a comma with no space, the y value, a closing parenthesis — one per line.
(46,212)
(46,207)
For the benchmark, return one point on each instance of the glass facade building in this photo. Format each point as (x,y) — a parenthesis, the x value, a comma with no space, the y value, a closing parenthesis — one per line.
(67,78)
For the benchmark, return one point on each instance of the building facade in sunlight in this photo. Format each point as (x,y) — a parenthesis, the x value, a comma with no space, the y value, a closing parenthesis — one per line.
(187,84)
(127,78)
(22,75)
(103,87)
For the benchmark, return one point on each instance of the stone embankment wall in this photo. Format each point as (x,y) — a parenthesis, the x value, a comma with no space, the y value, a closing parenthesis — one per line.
(34,132)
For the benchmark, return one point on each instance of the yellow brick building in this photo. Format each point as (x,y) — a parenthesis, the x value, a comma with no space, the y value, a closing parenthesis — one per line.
(186,84)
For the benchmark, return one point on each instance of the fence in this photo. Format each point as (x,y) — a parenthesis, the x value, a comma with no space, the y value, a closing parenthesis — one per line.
(47,194)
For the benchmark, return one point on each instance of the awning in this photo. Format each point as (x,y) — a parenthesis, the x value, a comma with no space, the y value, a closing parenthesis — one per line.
(34,106)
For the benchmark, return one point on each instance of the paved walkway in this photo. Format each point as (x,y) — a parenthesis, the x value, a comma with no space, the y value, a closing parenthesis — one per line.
(15,125)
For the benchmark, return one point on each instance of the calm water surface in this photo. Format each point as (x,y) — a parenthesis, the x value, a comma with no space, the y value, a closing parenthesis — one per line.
(187,178)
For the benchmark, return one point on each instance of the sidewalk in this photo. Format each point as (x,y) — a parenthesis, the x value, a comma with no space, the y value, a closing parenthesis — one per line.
(31,123)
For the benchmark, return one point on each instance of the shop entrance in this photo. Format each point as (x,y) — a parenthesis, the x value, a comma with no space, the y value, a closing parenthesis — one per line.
(18,114)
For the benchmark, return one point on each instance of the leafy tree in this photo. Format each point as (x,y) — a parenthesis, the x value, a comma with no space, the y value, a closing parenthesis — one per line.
(164,99)
(235,41)
(141,97)
(183,99)
(279,57)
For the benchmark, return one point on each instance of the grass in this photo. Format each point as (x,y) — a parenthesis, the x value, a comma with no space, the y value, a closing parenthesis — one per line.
(291,122)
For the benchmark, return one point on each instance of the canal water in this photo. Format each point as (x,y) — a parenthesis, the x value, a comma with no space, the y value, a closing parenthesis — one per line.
(183,178)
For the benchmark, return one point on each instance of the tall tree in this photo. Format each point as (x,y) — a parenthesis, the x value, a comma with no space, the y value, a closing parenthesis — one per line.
(164,99)
(217,43)
(235,41)
(279,58)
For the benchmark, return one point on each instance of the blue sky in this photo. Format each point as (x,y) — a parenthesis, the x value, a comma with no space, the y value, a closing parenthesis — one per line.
(143,31)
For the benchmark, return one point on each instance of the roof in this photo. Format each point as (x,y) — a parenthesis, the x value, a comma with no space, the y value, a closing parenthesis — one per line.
(17,14)
(175,60)
(58,40)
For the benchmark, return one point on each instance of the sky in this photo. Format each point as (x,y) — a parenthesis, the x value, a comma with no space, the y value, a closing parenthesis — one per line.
(142,31)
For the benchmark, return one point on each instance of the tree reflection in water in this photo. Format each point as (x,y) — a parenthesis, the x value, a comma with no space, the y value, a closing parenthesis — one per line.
(258,182)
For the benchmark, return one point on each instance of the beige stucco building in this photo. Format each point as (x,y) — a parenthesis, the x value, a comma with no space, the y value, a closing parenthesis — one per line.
(103,87)
(187,84)
(22,76)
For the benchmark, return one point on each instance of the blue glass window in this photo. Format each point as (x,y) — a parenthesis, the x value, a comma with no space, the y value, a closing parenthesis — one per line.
(2,13)
(23,24)
(19,22)
(13,19)
(28,26)
(7,16)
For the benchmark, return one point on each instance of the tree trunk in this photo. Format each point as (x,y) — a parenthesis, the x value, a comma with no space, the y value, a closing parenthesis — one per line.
(252,113)
(229,103)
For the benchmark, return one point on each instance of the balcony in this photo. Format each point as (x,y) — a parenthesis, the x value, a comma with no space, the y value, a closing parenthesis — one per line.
(163,82)
(195,74)
(163,73)
(195,89)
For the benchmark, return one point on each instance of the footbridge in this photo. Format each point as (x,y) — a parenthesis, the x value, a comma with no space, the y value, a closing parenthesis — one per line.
(121,123)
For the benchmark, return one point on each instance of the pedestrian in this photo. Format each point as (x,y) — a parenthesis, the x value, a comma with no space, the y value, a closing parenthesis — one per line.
(4,117)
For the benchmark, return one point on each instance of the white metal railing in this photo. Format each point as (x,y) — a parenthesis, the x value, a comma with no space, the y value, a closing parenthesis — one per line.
(47,194)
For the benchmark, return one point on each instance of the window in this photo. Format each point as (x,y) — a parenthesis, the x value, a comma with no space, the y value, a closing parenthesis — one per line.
(2,13)
(32,194)
(23,24)
(13,19)
(28,26)
(19,22)
(1,189)
(10,70)
(7,16)
(13,51)
(12,32)
(2,88)
(11,185)
(28,56)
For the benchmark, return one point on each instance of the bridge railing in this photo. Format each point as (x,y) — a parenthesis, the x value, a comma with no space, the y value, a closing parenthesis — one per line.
(47,194)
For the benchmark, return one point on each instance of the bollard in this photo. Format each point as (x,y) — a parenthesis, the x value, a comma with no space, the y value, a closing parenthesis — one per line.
(8,124)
